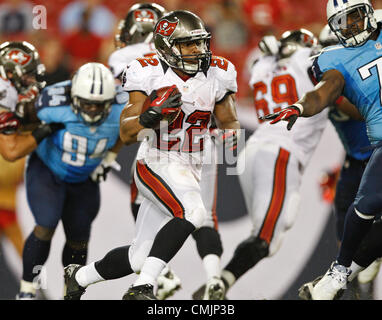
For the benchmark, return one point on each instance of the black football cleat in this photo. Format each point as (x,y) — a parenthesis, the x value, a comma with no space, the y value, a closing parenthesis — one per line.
(142,292)
(72,290)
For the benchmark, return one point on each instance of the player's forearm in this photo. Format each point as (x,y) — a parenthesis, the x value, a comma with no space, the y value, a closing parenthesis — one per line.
(312,104)
(14,147)
(234,124)
(129,129)
(326,92)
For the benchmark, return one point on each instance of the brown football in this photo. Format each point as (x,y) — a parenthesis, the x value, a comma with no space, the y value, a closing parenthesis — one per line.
(172,114)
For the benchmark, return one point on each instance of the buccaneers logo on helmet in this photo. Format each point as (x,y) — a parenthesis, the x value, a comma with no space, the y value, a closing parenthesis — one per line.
(144,15)
(18,56)
(166,28)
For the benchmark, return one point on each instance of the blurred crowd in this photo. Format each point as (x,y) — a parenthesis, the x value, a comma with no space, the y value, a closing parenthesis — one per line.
(83,30)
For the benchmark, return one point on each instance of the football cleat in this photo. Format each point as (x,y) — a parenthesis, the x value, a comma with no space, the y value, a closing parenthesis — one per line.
(142,292)
(26,296)
(305,291)
(369,274)
(72,290)
(330,285)
(168,284)
(214,289)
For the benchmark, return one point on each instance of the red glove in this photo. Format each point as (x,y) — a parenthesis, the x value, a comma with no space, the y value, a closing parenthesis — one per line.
(289,114)
(227,137)
(9,122)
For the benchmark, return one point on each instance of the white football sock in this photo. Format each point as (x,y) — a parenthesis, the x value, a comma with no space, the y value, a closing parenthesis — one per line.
(150,271)
(211,263)
(88,275)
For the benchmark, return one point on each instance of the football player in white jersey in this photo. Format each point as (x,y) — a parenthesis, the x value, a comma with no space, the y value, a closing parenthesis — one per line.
(135,40)
(168,170)
(20,66)
(274,159)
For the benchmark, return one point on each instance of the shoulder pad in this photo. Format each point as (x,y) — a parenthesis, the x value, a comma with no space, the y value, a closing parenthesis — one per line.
(54,95)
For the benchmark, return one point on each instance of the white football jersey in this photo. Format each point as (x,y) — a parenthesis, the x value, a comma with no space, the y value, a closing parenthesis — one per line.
(277,84)
(120,58)
(8,95)
(184,139)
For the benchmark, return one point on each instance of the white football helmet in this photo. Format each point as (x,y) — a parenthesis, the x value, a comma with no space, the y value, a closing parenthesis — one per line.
(92,92)
(345,18)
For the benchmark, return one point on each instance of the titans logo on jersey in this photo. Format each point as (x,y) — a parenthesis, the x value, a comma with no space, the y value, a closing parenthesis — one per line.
(361,68)
(74,152)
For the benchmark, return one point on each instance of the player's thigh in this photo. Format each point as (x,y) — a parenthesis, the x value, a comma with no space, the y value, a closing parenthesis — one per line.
(150,220)
(45,193)
(173,188)
(81,207)
(275,195)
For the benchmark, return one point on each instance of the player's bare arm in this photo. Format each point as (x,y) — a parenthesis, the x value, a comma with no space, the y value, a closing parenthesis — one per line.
(326,92)
(129,120)
(16,146)
(225,113)
(345,106)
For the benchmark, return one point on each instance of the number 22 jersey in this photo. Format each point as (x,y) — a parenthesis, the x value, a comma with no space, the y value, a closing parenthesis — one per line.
(185,136)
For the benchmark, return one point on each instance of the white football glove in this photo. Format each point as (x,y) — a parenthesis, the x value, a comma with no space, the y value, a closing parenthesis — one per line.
(99,174)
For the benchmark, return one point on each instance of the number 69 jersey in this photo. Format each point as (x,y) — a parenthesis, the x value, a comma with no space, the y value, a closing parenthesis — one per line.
(277,84)
(184,139)
(74,152)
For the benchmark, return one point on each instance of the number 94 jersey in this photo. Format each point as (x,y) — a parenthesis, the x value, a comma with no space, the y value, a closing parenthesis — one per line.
(75,151)
(277,84)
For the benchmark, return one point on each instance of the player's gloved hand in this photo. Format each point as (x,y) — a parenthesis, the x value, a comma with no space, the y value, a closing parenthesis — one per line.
(160,106)
(99,174)
(9,123)
(289,114)
(227,137)
(46,129)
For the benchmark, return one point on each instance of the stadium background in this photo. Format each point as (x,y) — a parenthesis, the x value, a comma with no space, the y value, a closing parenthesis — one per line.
(83,31)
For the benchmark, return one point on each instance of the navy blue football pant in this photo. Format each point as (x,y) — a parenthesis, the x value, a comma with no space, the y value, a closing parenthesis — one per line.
(51,200)
(366,206)
(346,190)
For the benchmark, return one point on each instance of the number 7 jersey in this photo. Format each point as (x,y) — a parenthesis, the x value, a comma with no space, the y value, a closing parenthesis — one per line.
(184,139)
(361,68)
(277,84)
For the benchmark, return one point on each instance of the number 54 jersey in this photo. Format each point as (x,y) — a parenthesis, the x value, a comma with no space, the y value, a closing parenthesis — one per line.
(184,139)
(74,152)
(277,84)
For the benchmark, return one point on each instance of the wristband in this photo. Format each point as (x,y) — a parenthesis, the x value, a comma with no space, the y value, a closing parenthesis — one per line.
(299,107)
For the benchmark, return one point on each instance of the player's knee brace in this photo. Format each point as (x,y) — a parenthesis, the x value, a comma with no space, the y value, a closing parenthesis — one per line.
(208,241)
(43,233)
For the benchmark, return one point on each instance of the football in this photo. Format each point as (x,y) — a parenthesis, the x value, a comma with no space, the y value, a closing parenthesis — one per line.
(169,115)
